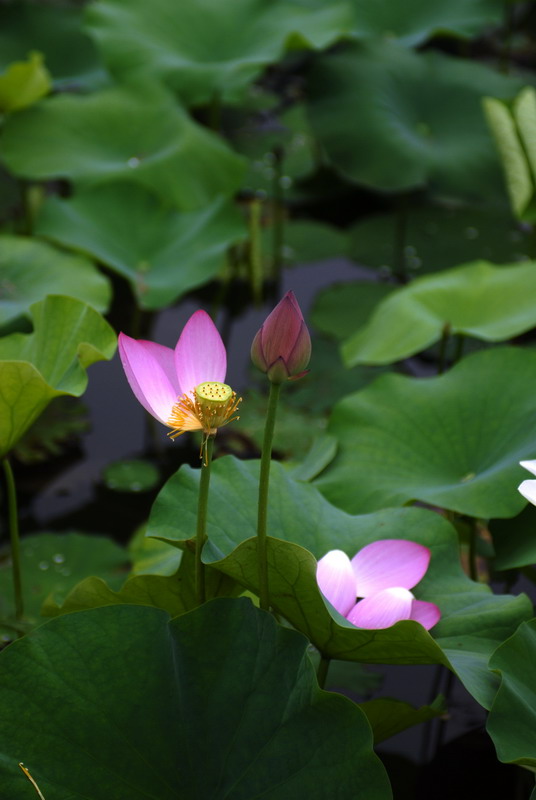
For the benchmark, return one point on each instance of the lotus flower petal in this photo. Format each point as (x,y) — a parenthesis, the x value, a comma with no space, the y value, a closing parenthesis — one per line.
(336,580)
(428,614)
(528,490)
(387,563)
(282,346)
(382,610)
(150,371)
(530,465)
(200,353)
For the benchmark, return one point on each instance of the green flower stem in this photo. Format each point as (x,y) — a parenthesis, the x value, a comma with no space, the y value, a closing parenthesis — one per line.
(201,532)
(322,671)
(14,536)
(264,480)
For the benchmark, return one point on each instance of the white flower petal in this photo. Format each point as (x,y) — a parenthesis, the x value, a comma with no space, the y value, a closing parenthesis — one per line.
(336,580)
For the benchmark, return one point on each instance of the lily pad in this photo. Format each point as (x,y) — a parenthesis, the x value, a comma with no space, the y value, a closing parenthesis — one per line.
(206,49)
(132,475)
(24,83)
(307,241)
(51,565)
(163,253)
(465,639)
(480,300)
(452,441)
(32,269)
(388,716)
(55,31)
(152,557)
(421,111)
(174,593)
(196,692)
(68,336)
(320,454)
(157,591)
(512,719)
(474,621)
(436,238)
(343,307)
(418,20)
(328,381)
(134,133)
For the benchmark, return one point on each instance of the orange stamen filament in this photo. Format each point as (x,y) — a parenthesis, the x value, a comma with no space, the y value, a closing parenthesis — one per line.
(200,413)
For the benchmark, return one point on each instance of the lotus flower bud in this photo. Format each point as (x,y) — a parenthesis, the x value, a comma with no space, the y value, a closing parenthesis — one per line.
(282,347)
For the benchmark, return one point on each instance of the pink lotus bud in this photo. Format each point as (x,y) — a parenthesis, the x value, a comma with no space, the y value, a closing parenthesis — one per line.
(282,347)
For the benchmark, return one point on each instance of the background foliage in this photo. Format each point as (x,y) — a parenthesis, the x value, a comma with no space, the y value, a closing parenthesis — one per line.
(158,154)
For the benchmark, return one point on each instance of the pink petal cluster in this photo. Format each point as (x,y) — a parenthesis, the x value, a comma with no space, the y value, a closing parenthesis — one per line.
(159,375)
(528,488)
(381,574)
(282,346)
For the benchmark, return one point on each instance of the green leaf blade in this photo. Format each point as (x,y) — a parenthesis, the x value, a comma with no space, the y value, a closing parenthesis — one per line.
(217,737)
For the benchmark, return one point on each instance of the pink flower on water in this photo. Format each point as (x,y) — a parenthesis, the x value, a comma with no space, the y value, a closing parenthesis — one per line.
(381,574)
(528,488)
(182,388)
(282,346)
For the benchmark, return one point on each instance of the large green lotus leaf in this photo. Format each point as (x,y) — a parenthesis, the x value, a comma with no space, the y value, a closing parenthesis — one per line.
(436,238)
(55,31)
(474,620)
(388,716)
(204,48)
(452,441)
(514,540)
(177,709)
(328,381)
(51,565)
(32,269)
(481,300)
(158,591)
(152,557)
(343,307)
(163,253)
(393,119)
(307,241)
(512,719)
(320,454)
(68,336)
(174,593)
(135,133)
(24,83)
(465,638)
(411,23)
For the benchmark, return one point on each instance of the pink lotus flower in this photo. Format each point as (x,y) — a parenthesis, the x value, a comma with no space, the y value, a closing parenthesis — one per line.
(528,488)
(182,388)
(382,573)
(282,346)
